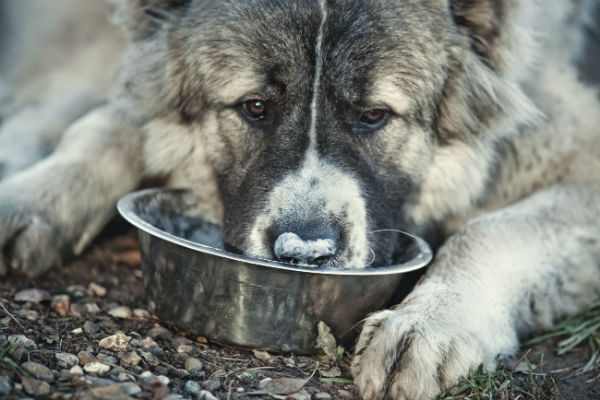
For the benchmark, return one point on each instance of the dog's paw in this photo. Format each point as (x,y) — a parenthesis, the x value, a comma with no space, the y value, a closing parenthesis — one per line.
(403,354)
(29,243)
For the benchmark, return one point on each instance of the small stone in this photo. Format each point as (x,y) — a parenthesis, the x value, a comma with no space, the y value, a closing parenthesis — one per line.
(213,385)
(116,342)
(322,396)
(92,308)
(135,342)
(150,358)
(164,380)
(120,312)
(85,357)
(146,374)
(97,290)
(77,331)
(345,393)
(240,390)
(76,370)
(68,359)
(30,315)
(141,313)
(96,367)
(90,328)
(192,387)
(27,343)
(77,290)
(148,342)
(5,386)
(205,395)
(185,348)
(131,358)
(159,332)
(60,304)
(174,396)
(130,388)
(32,295)
(38,370)
(112,392)
(193,363)
(35,387)
(110,360)
(123,377)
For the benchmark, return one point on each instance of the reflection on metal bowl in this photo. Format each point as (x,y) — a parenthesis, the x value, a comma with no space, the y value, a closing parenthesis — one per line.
(193,283)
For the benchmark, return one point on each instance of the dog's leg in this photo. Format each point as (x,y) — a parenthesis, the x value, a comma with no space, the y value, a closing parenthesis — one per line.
(58,205)
(504,275)
(34,130)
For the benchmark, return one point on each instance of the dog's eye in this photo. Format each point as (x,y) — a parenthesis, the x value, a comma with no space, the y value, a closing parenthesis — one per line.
(372,117)
(256,109)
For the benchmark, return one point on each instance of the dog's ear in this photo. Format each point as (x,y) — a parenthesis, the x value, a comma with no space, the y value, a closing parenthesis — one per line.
(141,18)
(493,53)
(501,32)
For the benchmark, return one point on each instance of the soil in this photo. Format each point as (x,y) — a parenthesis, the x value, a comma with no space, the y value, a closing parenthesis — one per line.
(113,263)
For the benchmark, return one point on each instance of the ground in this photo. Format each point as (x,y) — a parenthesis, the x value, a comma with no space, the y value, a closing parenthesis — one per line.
(104,296)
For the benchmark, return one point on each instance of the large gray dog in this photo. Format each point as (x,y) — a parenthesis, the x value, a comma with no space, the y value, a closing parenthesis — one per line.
(323,121)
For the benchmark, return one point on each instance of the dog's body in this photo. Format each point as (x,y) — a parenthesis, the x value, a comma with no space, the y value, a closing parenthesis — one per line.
(326,122)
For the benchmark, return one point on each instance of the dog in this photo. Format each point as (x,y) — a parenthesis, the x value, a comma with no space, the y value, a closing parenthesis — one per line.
(306,129)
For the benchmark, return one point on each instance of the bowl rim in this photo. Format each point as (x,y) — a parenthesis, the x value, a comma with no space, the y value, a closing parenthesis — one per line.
(126,208)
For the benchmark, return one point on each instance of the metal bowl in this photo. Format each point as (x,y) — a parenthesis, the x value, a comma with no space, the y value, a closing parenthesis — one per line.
(193,283)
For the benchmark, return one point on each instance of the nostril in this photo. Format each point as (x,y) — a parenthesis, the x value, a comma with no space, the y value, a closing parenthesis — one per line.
(291,248)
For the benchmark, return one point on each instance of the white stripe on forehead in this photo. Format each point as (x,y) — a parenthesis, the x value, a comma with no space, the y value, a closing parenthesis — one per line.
(312,132)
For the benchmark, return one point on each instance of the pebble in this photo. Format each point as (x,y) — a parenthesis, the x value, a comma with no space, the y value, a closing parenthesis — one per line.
(148,342)
(97,290)
(92,308)
(159,332)
(5,386)
(192,387)
(130,388)
(112,392)
(76,370)
(205,395)
(141,313)
(69,360)
(110,360)
(164,380)
(150,358)
(192,364)
(90,328)
(85,357)
(134,342)
(120,312)
(35,387)
(116,342)
(77,290)
(345,393)
(39,370)
(61,303)
(322,396)
(131,358)
(24,340)
(213,385)
(240,390)
(30,315)
(32,295)
(124,376)
(77,331)
(185,348)
(96,367)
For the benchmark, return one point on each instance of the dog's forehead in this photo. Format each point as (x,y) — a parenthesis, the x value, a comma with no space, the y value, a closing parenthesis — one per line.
(259,43)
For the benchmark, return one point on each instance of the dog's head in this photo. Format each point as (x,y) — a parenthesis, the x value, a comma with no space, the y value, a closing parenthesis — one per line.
(323,123)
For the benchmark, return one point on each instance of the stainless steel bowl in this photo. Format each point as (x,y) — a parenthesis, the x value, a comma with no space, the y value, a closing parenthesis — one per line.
(193,283)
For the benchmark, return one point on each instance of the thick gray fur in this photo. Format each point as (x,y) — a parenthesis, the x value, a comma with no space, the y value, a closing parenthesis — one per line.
(491,142)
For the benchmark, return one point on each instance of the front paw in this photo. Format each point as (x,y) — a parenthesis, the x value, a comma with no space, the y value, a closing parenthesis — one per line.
(29,243)
(405,354)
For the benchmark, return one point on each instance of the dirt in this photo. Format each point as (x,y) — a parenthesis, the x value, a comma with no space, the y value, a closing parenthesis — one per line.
(113,263)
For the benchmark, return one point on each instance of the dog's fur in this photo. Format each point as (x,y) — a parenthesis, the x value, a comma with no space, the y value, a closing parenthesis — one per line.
(490,139)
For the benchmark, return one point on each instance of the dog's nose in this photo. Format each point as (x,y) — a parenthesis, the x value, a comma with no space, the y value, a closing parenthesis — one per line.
(306,249)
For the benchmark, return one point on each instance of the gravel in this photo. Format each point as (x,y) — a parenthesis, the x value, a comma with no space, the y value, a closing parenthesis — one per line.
(147,358)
